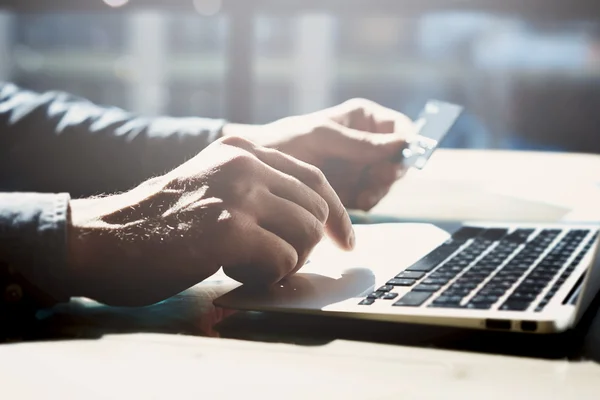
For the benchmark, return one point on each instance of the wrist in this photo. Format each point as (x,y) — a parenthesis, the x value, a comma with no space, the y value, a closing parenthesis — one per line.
(84,236)
(76,252)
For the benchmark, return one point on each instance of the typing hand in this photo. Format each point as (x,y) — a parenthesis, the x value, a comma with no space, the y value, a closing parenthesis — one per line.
(352,143)
(255,211)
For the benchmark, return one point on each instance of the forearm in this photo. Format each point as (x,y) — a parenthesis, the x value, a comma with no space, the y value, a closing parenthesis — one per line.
(56,142)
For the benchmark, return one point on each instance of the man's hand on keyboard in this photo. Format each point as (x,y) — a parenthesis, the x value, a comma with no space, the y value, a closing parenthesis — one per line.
(255,211)
(352,143)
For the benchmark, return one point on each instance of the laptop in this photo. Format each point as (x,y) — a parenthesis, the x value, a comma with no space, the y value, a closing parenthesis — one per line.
(534,278)
(513,277)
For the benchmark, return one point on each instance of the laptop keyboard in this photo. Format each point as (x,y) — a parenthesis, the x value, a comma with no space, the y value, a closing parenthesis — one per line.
(492,268)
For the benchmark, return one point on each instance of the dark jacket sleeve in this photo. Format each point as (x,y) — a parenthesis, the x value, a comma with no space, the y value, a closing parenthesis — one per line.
(33,237)
(56,142)
(54,146)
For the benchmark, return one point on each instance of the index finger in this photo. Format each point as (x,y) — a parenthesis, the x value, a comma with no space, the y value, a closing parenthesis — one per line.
(393,120)
(381,119)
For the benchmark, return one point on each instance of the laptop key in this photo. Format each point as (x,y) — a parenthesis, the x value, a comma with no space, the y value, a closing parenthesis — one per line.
(465,284)
(366,302)
(445,301)
(436,281)
(494,233)
(455,292)
(473,278)
(467,232)
(448,299)
(479,306)
(515,269)
(501,283)
(389,296)
(413,299)
(484,299)
(410,275)
(401,282)
(522,296)
(515,305)
(442,275)
(519,236)
(534,281)
(375,295)
(385,288)
(544,276)
(551,232)
(427,288)
(433,259)
(491,291)
(524,288)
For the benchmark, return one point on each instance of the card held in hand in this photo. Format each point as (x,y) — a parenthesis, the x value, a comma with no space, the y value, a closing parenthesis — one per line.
(433,123)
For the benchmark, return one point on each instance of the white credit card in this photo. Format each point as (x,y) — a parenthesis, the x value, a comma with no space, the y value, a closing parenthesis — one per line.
(433,123)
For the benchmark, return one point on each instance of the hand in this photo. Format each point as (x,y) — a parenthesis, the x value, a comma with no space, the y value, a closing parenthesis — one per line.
(352,143)
(254,211)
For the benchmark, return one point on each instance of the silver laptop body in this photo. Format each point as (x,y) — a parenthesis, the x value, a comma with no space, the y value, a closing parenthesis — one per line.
(535,278)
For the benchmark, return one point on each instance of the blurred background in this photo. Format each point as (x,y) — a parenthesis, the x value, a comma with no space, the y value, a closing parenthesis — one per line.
(526,84)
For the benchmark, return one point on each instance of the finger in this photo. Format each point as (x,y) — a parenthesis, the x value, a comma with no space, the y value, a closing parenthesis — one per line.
(292,223)
(360,146)
(259,257)
(338,224)
(290,188)
(377,118)
(387,120)
(287,186)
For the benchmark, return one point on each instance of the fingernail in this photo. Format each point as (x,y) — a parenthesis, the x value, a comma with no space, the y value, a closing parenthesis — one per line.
(352,239)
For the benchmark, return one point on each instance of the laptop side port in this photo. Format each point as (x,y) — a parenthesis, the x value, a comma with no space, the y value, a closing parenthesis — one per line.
(501,324)
(528,326)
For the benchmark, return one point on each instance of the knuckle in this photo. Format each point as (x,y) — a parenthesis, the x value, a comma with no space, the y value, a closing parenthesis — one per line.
(358,103)
(236,141)
(229,220)
(329,127)
(288,262)
(314,233)
(247,192)
(321,209)
(309,234)
(314,176)
(242,162)
(241,222)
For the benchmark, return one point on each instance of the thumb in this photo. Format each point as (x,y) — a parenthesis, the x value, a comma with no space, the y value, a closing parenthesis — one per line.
(360,146)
